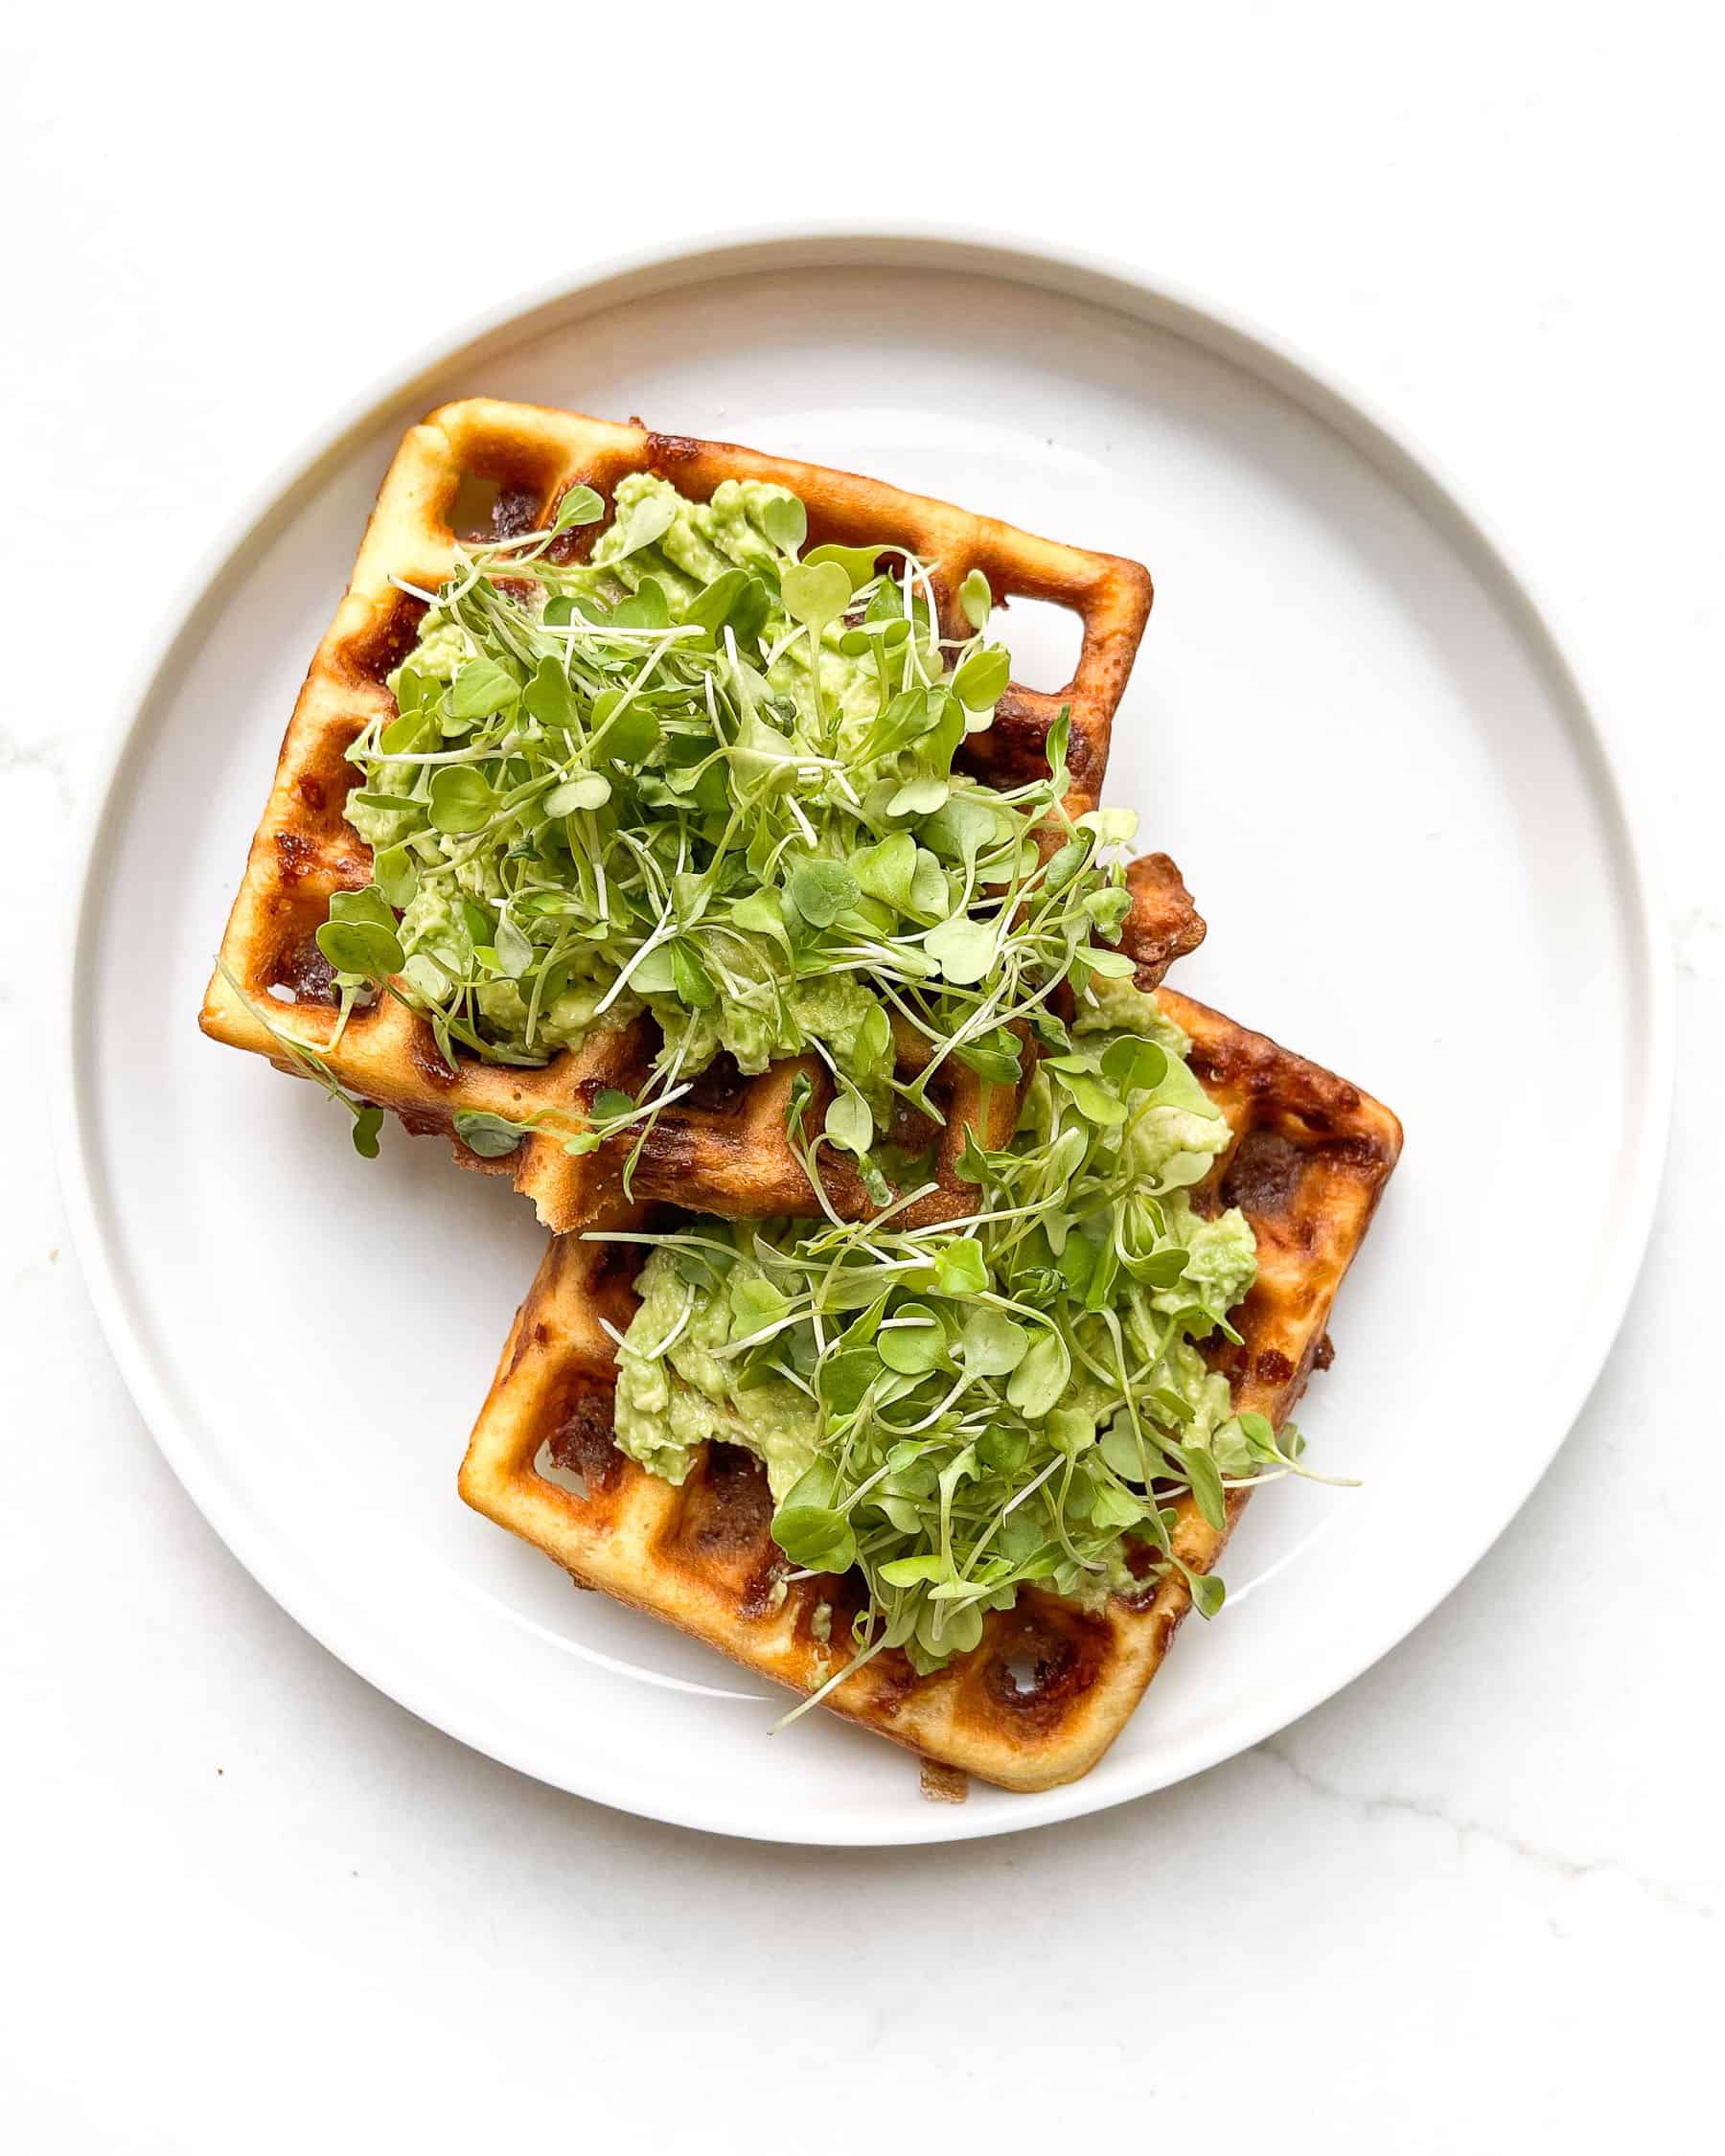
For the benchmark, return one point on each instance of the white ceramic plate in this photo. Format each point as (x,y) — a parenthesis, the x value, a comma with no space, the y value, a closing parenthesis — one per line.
(1349,725)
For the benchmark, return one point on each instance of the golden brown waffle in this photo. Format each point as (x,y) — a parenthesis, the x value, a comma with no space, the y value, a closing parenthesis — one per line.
(1050,1686)
(722,1149)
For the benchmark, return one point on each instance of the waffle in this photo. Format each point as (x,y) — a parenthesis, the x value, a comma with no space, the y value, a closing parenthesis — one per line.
(722,1149)
(1050,1686)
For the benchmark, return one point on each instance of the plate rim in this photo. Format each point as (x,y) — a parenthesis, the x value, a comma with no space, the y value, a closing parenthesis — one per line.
(1388,445)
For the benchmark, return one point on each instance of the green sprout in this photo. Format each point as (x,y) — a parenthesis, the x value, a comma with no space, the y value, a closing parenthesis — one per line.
(1014,1397)
(699,778)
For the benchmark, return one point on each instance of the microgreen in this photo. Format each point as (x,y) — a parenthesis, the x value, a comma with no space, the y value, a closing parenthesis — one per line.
(785,521)
(647,518)
(1014,1398)
(696,777)
(976,599)
(978,682)
(849,1122)
(483,688)
(856,561)
(815,594)
(581,505)
(494,1137)
(367,1117)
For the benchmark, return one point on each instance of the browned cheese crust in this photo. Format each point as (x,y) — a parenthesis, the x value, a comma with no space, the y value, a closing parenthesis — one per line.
(1050,1686)
(722,1149)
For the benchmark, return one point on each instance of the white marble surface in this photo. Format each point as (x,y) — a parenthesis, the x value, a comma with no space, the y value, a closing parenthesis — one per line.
(1470,1903)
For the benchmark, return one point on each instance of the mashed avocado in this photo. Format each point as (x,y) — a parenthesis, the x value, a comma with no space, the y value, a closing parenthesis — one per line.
(700,543)
(671,1400)
(1175,1142)
(770,1018)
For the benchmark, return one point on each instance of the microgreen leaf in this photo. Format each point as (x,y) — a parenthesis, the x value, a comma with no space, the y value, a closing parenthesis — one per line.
(630,735)
(760,912)
(976,599)
(1133,1065)
(928,892)
(960,1270)
(964,949)
(814,1538)
(849,1122)
(692,983)
(913,1571)
(580,505)
(1070,1431)
(961,829)
(980,681)
(361,947)
(856,561)
(491,1136)
(649,607)
(393,872)
(726,599)
(1041,1378)
(822,890)
(1112,965)
(461,800)
(654,973)
(785,522)
(907,719)
(548,696)
(413,691)
(482,688)
(993,1343)
(423,973)
(1113,827)
(995,1056)
(755,1302)
(645,522)
(845,1378)
(366,906)
(915,1344)
(888,870)
(815,596)
(514,951)
(591,790)
(918,797)
(1205,1482)
(1091,1098)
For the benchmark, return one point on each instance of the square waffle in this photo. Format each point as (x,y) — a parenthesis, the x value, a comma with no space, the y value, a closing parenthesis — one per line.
(1050,1686)
(722,1148)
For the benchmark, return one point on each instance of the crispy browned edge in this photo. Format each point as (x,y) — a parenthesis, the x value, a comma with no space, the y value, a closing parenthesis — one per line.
(724,1149)
(1308,1161)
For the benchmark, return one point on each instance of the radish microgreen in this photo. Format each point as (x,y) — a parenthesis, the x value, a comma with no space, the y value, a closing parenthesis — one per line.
(965,1409)
(700,777)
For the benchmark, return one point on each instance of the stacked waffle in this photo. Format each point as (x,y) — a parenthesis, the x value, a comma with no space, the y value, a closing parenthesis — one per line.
(1052,1676)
